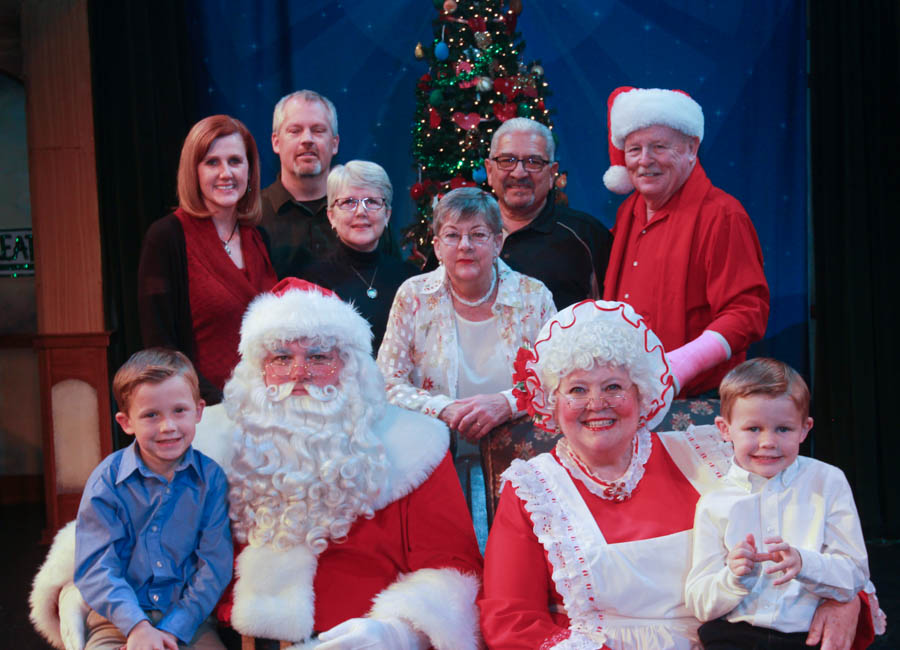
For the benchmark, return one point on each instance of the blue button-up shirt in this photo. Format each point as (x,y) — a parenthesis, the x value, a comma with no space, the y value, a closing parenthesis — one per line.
(144,543)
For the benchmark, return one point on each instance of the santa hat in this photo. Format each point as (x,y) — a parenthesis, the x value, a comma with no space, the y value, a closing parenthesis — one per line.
(297,309)
(631,109)
(610,332)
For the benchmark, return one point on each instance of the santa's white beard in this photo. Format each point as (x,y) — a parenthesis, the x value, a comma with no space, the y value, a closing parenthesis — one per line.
(308,472)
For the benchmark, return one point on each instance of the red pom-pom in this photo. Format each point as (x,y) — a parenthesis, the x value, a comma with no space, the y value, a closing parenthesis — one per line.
(417,191)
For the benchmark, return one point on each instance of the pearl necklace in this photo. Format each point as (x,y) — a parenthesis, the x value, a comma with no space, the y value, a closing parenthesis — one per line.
(483,299)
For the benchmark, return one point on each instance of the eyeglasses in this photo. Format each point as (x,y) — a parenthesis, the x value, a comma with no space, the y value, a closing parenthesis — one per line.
(311,364)
(453,238)
(531,164)
(369,203)
(608,400)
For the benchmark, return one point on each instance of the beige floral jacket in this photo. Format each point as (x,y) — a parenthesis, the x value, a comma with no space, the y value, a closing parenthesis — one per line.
(419,356)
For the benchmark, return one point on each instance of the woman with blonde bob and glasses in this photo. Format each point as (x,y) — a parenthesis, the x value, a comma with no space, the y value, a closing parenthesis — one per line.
(202,264)
(591,543)
(357,269)
(453,333)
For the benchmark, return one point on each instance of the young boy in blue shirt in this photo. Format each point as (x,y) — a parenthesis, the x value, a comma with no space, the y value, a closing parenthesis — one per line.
(153,548)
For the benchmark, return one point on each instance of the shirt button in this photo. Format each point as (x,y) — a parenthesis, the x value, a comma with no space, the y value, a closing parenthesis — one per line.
(644,232)
(627,295)
(154,528)
(159,564)
(634,263)
(155,597)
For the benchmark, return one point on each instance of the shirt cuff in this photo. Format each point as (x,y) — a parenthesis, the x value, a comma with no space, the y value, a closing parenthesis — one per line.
(513,409)
(180,623)
(723,341)
(435,404)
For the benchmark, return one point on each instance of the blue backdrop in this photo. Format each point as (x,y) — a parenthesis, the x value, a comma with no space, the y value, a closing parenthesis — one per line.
(744,61)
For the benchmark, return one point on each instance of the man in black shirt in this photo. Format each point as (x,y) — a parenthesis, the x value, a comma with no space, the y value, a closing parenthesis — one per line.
(565,249)
(305,137)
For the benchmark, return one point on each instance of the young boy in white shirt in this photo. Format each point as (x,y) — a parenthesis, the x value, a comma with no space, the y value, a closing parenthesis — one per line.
(783,532)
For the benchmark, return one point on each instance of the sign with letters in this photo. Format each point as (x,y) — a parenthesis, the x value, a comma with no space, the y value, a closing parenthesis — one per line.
(16,252)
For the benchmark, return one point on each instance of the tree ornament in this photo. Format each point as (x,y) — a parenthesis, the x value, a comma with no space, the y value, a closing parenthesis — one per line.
(562,180)
(485,84)
(504,112)
(467,121)
(450,6)
(482,40)
(472,141)
(434,118)
(537,70)
(441,51)
(515,6)
(479,175)
(463,67)
(417,191)
(505,86)
(419,51)
(436,97)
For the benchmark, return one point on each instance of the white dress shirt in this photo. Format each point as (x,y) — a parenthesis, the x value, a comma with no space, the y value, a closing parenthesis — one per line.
(810,506)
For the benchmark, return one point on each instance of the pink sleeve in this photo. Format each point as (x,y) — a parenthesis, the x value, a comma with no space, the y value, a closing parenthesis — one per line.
(518,590)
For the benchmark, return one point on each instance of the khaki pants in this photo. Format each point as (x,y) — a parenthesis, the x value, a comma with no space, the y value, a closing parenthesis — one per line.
(103,635)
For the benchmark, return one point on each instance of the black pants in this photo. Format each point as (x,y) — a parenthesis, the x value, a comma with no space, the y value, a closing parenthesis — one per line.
(722,635)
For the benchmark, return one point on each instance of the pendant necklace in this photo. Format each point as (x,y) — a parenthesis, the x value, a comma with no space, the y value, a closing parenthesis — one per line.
(225,242)
(372,292)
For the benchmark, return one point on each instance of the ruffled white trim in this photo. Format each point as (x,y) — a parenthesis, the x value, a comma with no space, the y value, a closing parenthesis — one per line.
(557,535)
(438,602)
(625,484)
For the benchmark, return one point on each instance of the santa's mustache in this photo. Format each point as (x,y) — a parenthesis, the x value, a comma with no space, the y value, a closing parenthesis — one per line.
(280,392)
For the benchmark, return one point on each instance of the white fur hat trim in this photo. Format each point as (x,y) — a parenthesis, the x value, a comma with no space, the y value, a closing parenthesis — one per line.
(643,107)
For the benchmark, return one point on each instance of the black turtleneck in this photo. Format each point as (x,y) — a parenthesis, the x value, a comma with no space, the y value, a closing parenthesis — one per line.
(336,272)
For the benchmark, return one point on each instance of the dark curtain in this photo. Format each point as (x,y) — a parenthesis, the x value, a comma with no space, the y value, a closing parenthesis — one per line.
(854,111)
(142,112)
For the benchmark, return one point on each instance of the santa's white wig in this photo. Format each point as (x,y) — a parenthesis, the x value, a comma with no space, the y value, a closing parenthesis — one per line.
(595,333)
(305,466)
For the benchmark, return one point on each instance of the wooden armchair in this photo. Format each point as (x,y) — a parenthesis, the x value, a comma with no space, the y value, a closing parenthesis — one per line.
(519,438)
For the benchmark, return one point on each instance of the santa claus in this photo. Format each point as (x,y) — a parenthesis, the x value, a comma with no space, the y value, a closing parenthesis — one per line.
(353,530)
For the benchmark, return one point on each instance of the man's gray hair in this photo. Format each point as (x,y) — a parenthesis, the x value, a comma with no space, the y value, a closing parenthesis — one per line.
(308,96)
(524,125)
(361,173)
(464,204)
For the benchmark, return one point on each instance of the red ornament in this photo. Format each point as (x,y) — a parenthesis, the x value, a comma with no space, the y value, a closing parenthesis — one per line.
(478,24)
(506,86)
(505,112)
(424,82)
(417,191)
(434,118)
(467,121)
(459,181)
(540,104)
(509,20)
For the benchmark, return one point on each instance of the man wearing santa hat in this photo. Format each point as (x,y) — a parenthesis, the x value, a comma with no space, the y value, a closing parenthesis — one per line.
(685,254)
(353,530)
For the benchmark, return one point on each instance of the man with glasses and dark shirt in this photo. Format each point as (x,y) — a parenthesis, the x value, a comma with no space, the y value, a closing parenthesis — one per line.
(565,249)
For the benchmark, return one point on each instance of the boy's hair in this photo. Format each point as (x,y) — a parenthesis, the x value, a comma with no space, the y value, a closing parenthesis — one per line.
(152,366)
(763,376)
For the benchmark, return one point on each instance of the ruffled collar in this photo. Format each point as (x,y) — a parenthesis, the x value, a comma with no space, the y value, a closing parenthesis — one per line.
(619,489)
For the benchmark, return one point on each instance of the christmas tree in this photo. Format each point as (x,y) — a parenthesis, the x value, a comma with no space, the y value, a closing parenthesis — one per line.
(475,82)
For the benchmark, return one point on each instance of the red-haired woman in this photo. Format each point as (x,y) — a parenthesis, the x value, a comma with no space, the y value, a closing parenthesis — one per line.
(202,265)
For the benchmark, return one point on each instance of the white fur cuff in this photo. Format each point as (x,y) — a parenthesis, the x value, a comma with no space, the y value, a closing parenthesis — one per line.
(273,594)
(57,571)
(437,602)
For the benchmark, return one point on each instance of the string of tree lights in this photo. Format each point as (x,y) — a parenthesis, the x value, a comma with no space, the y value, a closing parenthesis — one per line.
(476,80)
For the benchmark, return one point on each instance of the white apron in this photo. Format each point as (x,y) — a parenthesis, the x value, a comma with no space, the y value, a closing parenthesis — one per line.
(599,581)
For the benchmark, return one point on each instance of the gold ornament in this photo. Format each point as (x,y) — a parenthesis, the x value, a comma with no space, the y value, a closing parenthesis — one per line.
(485,84)
(420,51)
(482,39)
